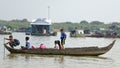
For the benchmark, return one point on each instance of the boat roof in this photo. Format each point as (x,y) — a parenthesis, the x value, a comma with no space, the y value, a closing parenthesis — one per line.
(40,21)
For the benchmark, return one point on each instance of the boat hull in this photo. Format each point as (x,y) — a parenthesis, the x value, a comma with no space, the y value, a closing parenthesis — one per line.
(84,51)
(5,33)
(40,34)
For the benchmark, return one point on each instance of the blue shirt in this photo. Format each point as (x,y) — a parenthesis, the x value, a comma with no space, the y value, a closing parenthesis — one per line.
(63,35)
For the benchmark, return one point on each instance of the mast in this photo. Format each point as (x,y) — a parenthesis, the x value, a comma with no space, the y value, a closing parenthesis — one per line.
(48,12)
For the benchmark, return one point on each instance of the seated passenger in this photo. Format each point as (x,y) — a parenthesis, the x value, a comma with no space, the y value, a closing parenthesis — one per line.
(27,46)
(42,46)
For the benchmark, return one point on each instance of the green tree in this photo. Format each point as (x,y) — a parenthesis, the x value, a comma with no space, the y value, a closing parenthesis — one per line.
(84,22)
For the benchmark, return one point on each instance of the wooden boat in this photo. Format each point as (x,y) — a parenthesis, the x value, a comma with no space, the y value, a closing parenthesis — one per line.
(5,33)
(41,34)
(77,35)
(84,51)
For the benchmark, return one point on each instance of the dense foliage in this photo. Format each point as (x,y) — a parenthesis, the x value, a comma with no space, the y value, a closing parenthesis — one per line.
(72,26)
(15,24)
(94,25)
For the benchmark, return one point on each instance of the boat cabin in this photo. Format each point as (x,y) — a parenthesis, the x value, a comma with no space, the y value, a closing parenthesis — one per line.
(40,27)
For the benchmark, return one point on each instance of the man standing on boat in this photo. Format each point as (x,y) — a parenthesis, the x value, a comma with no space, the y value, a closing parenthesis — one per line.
(63,38)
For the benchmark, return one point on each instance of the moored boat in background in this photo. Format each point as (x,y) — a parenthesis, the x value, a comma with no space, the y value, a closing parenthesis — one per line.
(41,27)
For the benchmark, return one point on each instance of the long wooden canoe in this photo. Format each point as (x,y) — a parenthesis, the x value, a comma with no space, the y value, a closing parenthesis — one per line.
(83,51)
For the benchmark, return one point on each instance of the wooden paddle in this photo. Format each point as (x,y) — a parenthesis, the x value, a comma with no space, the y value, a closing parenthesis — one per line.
(3,44)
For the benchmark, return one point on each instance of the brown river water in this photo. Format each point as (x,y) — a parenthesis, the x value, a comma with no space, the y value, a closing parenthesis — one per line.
(108,60)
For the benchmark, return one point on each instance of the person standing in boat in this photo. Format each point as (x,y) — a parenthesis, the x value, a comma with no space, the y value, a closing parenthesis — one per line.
(62,42)
(63,38)
(27,44)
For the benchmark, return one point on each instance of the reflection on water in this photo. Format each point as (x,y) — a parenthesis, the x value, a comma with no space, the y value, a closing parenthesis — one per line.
(60,58)
(27,57)
(92,60)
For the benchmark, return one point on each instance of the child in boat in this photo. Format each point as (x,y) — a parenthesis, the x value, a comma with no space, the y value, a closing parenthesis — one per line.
(57,42)
(27,45)
(11,42)
(42,46)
